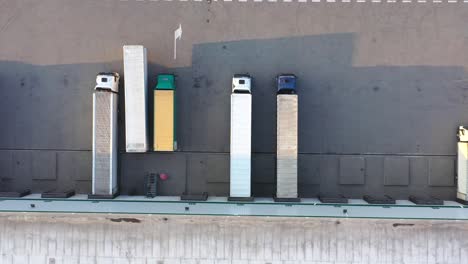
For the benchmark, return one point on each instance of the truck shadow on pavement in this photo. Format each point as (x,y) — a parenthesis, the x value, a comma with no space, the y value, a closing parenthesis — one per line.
(362,130)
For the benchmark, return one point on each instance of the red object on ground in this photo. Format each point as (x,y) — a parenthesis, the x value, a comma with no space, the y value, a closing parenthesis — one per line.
(163,176)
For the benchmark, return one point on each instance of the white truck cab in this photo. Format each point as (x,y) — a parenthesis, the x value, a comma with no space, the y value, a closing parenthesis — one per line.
(241,83)
(107,81)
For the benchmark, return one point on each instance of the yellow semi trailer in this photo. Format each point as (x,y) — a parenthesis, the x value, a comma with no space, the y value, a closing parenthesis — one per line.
(164,114)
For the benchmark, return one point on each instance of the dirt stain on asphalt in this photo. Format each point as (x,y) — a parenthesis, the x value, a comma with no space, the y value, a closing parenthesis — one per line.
(125,220)
(401,224)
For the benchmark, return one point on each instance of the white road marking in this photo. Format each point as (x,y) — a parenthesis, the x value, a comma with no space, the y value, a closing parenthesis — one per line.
(177,35)
(318,1)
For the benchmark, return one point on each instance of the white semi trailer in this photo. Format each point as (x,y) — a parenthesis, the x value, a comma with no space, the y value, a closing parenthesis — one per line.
(286,144)
(241,133)
(462,165)
(135,77)
(104,169)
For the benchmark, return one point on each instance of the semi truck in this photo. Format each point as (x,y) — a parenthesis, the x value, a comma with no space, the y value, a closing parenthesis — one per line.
(135,73)
(462,165)
(104,167)
(240,138)
(164,114)
(286,144)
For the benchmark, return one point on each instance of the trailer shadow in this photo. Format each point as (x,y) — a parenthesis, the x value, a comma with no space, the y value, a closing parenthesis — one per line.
(362,130)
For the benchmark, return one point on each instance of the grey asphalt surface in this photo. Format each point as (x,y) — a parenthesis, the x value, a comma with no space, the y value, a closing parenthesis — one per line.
(382,89)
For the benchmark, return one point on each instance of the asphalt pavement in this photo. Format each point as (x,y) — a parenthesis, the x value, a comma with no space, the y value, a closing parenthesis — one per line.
(382,89)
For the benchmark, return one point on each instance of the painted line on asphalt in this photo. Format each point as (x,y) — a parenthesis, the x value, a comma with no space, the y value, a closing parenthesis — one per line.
(315,1)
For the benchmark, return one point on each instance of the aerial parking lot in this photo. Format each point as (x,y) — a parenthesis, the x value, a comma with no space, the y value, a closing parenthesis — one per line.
(382,88)
(233,131)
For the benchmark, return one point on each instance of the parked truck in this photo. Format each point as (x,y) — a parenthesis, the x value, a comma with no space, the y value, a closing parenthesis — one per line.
(164,114)
(286,144)
(135,73)
(104,167)
(241,132)
(462,165)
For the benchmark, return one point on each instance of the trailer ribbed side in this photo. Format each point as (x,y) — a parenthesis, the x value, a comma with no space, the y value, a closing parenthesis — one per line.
(286,156)
(104,143)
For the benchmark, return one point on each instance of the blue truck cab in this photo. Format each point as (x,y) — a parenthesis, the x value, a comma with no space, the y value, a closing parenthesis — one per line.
(286,84)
